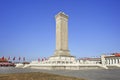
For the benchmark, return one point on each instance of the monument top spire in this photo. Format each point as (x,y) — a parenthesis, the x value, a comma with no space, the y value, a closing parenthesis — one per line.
(61,14)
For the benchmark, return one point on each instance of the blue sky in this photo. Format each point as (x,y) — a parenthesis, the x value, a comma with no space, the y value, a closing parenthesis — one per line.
(27,27)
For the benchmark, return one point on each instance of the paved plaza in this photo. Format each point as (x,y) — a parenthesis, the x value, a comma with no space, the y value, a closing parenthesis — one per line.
(98,74)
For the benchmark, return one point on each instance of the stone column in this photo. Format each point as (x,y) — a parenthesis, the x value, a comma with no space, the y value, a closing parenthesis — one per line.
(116,60)
(61,35)
(107,61)
(103,59)
(61,31)
(119,61)
(113,61)
(110,61)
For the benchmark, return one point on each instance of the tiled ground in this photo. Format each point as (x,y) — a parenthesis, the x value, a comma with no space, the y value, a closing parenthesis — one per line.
(112,74)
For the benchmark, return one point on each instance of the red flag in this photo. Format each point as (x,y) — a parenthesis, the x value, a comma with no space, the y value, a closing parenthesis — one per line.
(9,58)
(13,58)
(42,59)
(3,58)
(38,59)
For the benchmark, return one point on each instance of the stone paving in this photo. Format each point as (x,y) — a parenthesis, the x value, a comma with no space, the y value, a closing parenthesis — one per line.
(98,74)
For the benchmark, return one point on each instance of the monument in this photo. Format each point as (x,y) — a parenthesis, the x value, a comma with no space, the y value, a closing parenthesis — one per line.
(62,52)
(61,35)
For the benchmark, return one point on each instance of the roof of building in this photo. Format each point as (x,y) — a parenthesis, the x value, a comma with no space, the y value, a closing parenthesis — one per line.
(91,59)
(113,55)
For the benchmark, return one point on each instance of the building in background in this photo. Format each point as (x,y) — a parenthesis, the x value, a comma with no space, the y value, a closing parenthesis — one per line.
(112,60)
(5,63)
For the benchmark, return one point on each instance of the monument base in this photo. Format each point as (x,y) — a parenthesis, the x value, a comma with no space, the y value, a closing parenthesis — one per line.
(65,53)
(61,59)
(61,56)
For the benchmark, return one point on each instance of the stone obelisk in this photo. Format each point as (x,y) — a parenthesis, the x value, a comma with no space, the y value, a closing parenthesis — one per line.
(61,35)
